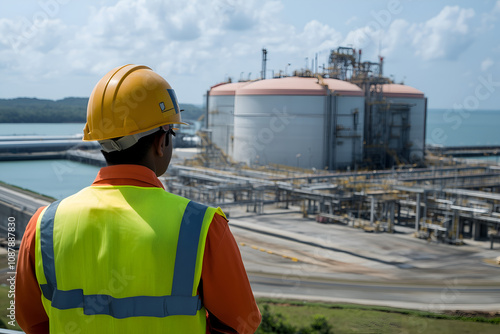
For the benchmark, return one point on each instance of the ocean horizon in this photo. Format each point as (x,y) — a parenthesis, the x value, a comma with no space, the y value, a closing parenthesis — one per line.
(444,127)
(61,178)
(450,127)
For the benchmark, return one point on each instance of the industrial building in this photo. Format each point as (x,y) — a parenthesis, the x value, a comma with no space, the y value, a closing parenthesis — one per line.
(348,116)
(221,120)
(299,121)
(397,126)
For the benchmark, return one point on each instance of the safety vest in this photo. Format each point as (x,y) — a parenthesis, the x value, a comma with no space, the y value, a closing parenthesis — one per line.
(122,259)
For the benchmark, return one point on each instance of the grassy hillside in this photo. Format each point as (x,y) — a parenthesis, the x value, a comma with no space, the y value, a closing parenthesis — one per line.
(67,110)
(28,110)
(294,317)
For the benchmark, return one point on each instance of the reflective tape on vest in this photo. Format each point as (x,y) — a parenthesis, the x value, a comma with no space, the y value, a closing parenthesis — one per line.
(180,302)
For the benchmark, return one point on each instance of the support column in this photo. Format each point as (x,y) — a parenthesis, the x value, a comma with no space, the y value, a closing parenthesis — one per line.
(391,216)
(424,215)
(399,213)
(456,226)
(417,214)
(475,230)
(372,210)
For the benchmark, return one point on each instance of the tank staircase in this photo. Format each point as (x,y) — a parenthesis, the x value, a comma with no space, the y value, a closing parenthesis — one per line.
(210,154)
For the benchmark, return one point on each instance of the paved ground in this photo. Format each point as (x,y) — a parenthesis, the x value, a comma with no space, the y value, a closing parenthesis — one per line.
(287,255)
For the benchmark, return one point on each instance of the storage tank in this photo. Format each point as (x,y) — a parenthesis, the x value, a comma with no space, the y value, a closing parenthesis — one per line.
(345,132)
(299,121)
(220,118)
(407,117)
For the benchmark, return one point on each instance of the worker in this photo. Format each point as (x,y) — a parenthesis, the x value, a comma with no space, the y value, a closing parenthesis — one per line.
(123,255)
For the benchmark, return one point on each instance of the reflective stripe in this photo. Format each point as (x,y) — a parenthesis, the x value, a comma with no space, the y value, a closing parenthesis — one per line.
(181,302)
(173,97)
(187,249)
(120,308)
(47,248)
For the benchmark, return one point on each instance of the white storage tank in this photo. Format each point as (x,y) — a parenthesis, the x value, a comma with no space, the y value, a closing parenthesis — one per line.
(221,114)
(408,109)
(344,135)
(299,121)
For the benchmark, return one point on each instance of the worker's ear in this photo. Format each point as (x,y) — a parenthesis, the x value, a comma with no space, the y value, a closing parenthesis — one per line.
(159,144)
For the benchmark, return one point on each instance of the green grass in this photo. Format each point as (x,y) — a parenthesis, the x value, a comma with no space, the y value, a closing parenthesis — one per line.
(4,304)
(347,318)
(27,191)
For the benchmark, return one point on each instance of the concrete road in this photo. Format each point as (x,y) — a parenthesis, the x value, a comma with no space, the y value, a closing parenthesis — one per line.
(288,256)
(414,296)
(21,200)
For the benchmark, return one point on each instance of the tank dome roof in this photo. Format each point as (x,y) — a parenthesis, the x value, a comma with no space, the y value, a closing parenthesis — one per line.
(340,87)
(299,86)
(397,90)
(227,88)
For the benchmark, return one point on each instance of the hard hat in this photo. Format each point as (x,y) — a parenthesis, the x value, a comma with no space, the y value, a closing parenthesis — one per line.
(130,101)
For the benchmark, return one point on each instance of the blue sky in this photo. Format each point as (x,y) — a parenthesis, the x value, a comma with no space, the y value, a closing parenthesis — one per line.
(57,48)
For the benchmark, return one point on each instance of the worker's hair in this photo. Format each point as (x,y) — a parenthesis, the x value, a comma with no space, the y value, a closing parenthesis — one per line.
(135,153)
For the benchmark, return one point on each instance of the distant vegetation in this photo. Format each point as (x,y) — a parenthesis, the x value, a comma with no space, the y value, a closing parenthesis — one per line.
(300,317)
(191,112)
(26,110)
(68,110)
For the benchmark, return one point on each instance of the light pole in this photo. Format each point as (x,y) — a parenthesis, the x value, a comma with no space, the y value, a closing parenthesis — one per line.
(286,69)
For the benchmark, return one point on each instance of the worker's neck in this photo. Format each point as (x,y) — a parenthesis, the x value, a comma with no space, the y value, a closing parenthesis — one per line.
(141,163)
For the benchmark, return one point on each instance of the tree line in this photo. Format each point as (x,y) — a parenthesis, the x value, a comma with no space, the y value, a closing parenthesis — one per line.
(67,110)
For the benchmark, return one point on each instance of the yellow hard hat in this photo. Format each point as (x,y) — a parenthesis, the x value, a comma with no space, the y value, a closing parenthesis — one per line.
(130,100)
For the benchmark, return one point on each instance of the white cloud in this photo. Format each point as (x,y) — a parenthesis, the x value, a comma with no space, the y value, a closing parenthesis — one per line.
(351,20)
(395,38)
(444,36)
(318,36)
(379,37)
(488,20)
(196,43)
(189,37)
(238,15)
(487,64)
(33,49)
(25,35)
(178,37)
(364,38)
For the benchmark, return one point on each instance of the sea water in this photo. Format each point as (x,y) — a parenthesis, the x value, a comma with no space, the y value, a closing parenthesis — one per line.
(60,178)
(54,178)
(463,128)
(41,129)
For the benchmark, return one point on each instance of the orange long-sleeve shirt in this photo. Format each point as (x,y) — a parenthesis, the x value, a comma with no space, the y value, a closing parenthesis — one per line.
(224,285)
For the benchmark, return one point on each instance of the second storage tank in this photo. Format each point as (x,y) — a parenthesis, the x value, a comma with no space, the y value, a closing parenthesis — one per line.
(299,121)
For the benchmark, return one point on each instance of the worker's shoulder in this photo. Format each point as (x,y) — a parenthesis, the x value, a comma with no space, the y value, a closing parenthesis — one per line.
(218,214)
(220,217)
(197,205)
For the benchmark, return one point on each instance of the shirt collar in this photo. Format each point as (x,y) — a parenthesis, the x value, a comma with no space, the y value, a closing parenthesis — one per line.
(127,175)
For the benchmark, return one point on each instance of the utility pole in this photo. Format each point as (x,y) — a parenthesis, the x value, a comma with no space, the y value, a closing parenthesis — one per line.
(316,69)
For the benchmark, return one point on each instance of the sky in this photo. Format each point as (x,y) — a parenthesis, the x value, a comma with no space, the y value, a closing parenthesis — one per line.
(52,49)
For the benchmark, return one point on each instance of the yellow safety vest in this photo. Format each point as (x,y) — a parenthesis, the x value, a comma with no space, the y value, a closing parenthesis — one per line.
(122,259)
